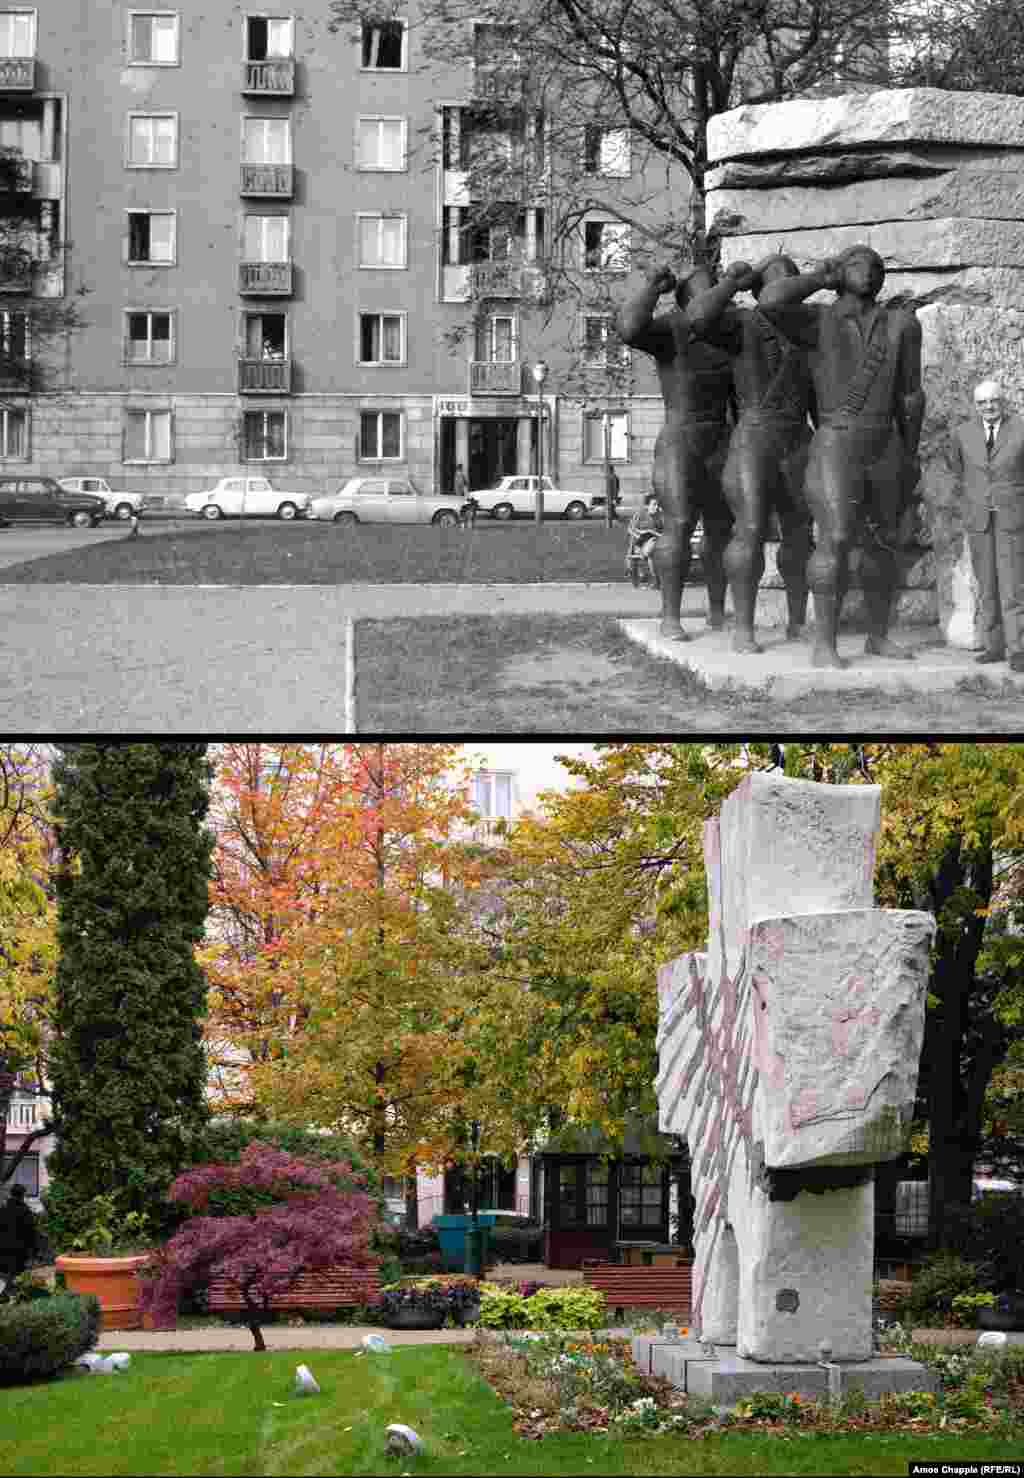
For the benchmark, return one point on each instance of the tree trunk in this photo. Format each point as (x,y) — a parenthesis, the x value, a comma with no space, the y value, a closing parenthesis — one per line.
(412,1207)
(257,1338)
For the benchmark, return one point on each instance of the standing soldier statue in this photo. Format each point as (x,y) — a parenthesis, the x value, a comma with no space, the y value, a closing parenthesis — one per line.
(691,446)
(764,471)
(865,362)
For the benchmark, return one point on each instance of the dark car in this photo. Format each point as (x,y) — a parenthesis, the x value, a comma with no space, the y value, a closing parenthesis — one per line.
(43,500)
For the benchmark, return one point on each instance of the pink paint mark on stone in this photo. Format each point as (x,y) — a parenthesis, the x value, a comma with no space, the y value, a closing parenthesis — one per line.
(805,1106)
(855,985)
(869,856)
(772,939)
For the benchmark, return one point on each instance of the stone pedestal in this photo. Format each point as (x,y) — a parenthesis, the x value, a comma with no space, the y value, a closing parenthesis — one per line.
(725,1377)
(934,181)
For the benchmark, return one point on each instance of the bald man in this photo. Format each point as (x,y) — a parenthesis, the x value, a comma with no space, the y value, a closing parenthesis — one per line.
(988,458)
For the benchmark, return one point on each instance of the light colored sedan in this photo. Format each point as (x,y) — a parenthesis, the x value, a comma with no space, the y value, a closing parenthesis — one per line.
(385,500)
(518,494)
(244,497)
(122,505)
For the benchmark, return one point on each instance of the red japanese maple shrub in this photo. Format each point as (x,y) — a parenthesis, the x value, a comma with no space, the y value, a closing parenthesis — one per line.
(314,1224)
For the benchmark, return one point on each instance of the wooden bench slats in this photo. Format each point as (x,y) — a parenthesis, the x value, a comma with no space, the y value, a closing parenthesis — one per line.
(331,1288)
(656,1287)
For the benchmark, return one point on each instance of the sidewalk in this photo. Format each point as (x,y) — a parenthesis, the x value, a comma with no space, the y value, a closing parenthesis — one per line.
(183,659)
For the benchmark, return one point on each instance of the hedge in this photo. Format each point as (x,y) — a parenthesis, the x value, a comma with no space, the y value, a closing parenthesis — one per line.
(39,1338)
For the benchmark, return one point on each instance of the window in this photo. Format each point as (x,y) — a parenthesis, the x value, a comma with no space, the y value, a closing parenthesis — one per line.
(381,338)
(266,239)
(153,38)
(569,1200)
(27,1173)
(266,141)
(601,346)
(594,424)
(500,345)
(384,46)
(13,433)
(266,336)
(494,46)
(17,33)
(597,1193)
(147,436)
(606,150)
(149,338)
(381,241)
(264,436)
(268,38)
(152,237)
(14,337)
(23,134)
(153,140)
(380,436)
(641,1195)
(380,143)
(606,246)
(491,794)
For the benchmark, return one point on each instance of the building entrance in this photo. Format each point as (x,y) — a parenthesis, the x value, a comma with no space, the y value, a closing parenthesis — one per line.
(491,452)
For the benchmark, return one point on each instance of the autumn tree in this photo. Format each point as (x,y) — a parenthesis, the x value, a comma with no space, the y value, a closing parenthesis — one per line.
(354,966)
(126,1062)
(291,1216)
(27,934)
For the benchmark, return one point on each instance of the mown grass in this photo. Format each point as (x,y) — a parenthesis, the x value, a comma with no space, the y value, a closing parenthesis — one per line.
(457,674)
(302,553)
(228,1414)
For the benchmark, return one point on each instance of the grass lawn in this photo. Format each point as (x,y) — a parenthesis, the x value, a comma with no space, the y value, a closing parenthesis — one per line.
(581,674)
(224,1414)
(302,553)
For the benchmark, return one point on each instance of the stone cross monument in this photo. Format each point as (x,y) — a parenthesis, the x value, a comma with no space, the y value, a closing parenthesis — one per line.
(788,1058)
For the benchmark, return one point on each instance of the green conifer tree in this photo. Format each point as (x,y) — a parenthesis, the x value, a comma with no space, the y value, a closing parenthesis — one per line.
(128,1070)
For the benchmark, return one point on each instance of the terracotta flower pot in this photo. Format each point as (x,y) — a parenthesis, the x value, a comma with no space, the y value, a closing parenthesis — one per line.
(114,1282)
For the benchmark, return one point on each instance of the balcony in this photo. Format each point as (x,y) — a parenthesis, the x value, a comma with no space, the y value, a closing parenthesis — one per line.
(270,78)
(24,1115)
(497,279)
(17,74)
(17,176)
(265,376)
(265,279)
(16,272)
(273,180)
(495,377)
(498,83)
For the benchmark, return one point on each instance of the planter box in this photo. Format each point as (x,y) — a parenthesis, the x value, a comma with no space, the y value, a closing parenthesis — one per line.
(416,1319)
(114,1282)
(1008,1319)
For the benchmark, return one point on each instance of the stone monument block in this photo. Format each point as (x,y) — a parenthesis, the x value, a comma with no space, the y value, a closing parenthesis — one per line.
(788,1059)
(934,181)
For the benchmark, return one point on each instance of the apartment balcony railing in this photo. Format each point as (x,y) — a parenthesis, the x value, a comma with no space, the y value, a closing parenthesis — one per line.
(17,73)
(491,829)
(23,1116)
(495,377)
(270,77)
(497,279)
(265,279)
(498,83)
(265,376)
(267,179)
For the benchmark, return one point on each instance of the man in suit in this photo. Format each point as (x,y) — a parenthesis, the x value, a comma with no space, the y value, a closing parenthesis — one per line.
(988,458)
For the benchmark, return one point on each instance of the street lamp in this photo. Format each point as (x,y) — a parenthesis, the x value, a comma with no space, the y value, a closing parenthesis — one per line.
(539,371)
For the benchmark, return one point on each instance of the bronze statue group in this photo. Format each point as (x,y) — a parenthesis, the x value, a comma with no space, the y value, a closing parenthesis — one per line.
(827,417)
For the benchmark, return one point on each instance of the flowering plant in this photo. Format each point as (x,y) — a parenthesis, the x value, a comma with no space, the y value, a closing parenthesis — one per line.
(452,1295)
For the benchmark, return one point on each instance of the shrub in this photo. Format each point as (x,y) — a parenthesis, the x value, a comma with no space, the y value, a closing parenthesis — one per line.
(421,1244)
(423,1266)
(547,1308)
(39,1338)
(25,1288)
(452,1296)
(520,1243)
(991,1231)
(943,1276)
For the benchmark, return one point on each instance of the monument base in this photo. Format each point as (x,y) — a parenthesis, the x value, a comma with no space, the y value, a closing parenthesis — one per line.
(783,669)
(726,1377)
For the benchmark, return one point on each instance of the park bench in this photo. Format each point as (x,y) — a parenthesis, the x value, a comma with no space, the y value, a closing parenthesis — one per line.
(329,1288)
(649,1287)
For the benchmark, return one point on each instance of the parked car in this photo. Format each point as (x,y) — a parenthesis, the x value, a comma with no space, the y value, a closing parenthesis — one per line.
(42,499)
(121,505)
(385,500)
(515,495)
(242,497)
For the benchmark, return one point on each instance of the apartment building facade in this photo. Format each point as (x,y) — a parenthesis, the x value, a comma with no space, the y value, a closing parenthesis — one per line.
(263,227)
